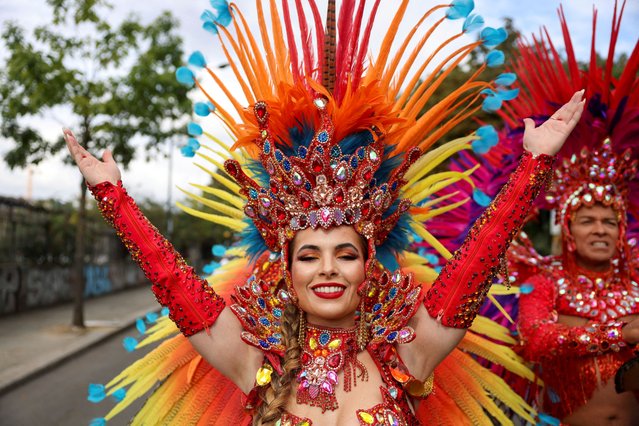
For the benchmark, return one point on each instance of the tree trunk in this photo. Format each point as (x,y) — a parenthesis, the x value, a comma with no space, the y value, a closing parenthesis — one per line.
(77,272)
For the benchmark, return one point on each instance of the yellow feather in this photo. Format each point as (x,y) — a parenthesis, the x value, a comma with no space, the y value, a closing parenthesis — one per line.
(496,353)
(424,185)
(438,200)
(419,229)
(218,142)
(234,224)
(235,188)
(215,205)
(500,308)
(490,328)
(440,210)
(440,185)
(500,290)
(436,156)
(222,194)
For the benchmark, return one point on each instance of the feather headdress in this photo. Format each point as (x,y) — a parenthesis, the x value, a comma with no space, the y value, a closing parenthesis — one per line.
(328,132)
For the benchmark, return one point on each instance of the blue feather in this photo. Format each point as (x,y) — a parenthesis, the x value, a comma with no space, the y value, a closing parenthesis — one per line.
(96,392)
(260,175)
(389,164)
(350,143)
(255,244)
(396,242)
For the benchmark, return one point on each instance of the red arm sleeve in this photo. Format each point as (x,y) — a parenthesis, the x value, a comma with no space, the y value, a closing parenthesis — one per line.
(543,337)
(193,305)
(461,287)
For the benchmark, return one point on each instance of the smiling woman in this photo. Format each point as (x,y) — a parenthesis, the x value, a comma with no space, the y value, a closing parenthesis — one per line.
(327,269)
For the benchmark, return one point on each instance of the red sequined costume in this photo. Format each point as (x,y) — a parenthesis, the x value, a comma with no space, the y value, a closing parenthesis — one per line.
(574,360)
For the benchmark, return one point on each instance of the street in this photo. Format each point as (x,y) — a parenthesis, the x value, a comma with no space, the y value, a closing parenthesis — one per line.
(59,396)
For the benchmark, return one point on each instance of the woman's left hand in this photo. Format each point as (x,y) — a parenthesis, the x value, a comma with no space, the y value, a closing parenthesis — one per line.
(550,136)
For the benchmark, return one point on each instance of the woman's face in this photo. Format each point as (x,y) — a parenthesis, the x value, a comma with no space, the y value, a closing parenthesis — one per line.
(327,266)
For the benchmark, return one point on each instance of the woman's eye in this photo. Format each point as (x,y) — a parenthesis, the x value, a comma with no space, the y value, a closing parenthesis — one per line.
(348,257)
(306,258)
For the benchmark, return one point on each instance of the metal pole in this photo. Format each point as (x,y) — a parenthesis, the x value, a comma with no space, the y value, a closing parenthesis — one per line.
(169,193)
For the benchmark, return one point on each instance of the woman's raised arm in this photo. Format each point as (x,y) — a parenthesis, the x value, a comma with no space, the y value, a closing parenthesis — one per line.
(194,307)
(454,299)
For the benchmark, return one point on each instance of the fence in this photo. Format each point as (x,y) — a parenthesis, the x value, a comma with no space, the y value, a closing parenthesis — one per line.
(36,249)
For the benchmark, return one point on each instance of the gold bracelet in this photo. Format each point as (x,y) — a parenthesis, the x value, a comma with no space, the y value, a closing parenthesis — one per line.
(418,389)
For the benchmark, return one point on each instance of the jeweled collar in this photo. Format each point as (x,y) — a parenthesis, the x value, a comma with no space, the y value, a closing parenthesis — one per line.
(325,352)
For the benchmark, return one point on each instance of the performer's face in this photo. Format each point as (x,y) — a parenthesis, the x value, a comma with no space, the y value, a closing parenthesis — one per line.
(595,230)
(327,266)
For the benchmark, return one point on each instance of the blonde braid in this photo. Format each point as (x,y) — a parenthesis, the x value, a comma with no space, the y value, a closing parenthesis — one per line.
(275,396)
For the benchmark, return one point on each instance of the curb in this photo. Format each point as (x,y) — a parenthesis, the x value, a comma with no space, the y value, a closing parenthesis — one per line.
(29,373)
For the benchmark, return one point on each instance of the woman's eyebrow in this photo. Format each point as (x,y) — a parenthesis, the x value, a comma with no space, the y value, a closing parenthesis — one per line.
(346,245)
(308,247)
(337,247)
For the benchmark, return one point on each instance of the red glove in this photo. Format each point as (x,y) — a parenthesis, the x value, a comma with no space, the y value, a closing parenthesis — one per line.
(193,305)
(460,288)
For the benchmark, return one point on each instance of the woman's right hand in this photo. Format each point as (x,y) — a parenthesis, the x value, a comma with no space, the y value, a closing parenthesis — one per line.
(93,170)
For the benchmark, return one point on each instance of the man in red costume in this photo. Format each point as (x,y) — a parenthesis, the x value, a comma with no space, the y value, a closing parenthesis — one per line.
(580,320)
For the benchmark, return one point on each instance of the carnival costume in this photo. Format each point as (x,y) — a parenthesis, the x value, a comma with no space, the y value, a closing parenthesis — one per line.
(331,139)
(598,164)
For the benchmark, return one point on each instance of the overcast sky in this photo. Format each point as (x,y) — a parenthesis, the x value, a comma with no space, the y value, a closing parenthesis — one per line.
(53,179)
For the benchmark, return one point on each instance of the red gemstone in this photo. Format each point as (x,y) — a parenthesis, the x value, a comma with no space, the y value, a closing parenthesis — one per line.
(348,215)
(368,174)
(281,215)
(302,221)
(334,360)
(306,203)
(244,293)
(274,188)
(366,208)
(339,196)
(231,168)
(317,166)
(306,358)
(260,111)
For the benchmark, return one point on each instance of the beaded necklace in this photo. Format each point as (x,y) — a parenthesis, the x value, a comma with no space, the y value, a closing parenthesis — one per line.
(598,296)
(326,351)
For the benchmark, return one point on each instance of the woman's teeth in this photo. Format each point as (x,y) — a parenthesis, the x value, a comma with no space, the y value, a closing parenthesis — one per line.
(328,289)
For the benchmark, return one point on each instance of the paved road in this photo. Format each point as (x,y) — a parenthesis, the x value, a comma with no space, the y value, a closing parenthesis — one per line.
(58,397)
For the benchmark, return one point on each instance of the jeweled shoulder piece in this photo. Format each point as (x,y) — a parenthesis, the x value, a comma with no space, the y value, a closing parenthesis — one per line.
(259,306)
(390,304)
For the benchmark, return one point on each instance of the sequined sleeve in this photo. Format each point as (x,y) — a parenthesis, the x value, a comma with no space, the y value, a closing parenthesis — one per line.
(542,337)
(193,305)
(461,287)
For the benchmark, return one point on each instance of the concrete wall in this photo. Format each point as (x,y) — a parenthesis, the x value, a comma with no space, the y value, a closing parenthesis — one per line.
(23,288)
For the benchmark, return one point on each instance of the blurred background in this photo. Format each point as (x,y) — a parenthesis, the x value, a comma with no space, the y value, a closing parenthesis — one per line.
(106,70)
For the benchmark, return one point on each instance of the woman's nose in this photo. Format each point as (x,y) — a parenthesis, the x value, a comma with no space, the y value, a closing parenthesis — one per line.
(328,267)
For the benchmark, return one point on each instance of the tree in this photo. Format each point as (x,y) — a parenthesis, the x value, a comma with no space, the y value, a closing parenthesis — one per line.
(117,82)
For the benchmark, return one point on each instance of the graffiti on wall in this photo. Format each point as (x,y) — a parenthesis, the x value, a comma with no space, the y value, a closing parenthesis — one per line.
(97,281)
(45,286)
(9,286)
(23,288)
